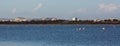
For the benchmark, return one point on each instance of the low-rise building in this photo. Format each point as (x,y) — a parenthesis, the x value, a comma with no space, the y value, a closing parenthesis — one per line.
(97,20)
(19,19)
(75,19)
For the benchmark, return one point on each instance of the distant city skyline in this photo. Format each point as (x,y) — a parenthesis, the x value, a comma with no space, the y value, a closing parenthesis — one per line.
(66,9)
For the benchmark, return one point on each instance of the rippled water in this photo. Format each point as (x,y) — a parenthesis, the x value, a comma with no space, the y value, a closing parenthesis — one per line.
(59,35)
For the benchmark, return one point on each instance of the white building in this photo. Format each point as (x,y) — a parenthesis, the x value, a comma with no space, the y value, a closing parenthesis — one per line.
(75,19)
(97,20)
(19,19)
(54,19)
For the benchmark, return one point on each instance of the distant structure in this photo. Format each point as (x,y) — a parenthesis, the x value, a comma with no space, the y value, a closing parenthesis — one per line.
(19,19)
(97,20)
(74,19)
(54,19)
(22,20)
(111,20)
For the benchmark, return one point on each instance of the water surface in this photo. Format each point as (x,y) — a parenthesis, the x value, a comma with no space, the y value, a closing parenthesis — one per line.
(59,35)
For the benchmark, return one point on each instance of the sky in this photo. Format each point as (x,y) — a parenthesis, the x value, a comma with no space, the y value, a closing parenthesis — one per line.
(67,9)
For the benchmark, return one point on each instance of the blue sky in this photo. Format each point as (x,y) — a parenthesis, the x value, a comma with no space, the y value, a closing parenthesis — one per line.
(83,9)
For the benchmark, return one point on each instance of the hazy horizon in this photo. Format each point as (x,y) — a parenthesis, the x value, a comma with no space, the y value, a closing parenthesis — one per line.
(66,9)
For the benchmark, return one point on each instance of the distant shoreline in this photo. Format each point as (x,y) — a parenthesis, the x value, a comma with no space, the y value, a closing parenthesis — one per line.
(56,21)
(59,24)
(62,22)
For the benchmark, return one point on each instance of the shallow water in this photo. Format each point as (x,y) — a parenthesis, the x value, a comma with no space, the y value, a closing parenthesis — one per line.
(59,35)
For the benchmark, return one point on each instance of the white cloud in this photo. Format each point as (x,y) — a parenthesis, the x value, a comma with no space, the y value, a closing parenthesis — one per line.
(14,10)
(108,7)
(40,5)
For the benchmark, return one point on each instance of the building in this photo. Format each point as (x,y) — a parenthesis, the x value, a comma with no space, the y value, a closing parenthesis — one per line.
(54,19)
(75,19)
(97,20)
(19,19)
